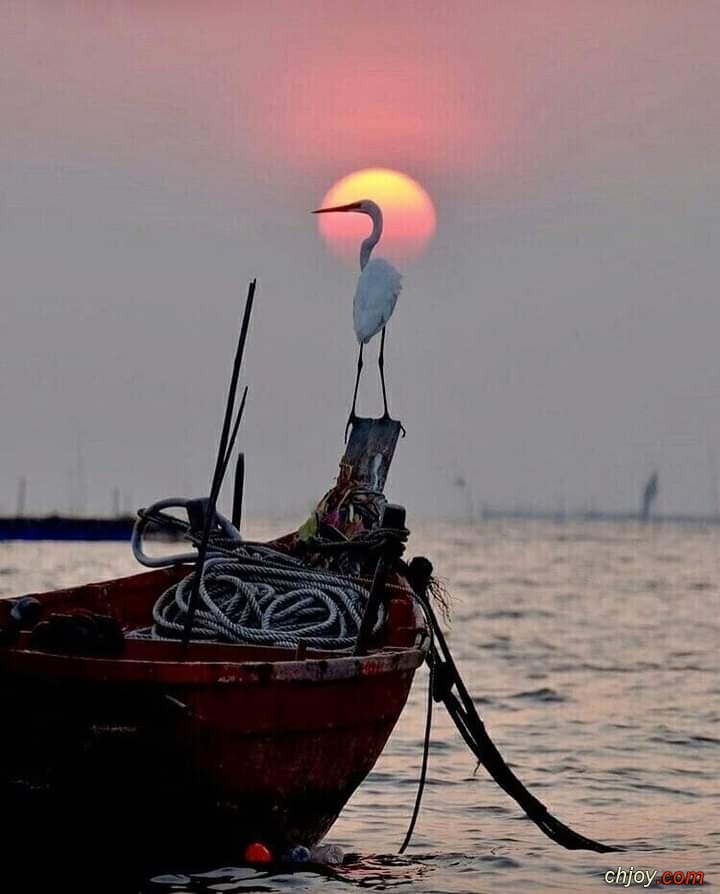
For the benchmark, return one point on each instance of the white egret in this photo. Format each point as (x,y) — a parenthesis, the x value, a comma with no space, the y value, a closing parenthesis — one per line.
(375,297)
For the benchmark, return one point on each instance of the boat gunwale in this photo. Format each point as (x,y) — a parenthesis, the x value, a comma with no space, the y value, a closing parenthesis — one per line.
(27,662)
(171,664)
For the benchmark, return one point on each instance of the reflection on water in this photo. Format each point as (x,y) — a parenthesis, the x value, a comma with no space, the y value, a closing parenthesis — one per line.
(377,872)
(592,651)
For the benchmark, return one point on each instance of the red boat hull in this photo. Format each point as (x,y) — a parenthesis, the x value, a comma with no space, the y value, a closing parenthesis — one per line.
(223,745)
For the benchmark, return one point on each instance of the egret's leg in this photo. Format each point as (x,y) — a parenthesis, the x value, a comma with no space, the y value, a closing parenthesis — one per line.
(352,417)
(381,364)
(357,380)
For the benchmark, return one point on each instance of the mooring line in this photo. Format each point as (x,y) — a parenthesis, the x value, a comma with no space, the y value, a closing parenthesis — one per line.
(463,713)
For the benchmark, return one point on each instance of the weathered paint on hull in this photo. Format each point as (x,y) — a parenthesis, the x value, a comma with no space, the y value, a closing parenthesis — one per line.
(207,752)
(107,746)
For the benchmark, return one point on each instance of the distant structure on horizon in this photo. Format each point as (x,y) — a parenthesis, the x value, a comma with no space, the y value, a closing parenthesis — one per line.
(72,526)
(461,483)
(21,497)
(650,492)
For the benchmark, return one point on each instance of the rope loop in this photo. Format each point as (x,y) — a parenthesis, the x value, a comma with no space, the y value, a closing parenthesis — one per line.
(260,597)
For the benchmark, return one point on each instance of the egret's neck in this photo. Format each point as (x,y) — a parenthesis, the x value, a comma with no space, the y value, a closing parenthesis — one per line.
(372,240)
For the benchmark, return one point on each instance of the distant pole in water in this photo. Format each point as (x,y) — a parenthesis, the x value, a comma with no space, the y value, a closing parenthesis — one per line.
(713,473)
(21,497)
(461,483)
(650,493)
(81,494)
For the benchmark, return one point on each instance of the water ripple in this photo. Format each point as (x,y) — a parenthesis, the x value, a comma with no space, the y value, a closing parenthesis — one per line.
(592,652)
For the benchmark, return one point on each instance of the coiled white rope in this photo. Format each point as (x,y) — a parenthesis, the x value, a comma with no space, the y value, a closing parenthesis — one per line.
(253,594)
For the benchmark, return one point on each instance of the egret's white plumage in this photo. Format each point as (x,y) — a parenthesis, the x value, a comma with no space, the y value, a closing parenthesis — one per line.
(376,294)
(375,298)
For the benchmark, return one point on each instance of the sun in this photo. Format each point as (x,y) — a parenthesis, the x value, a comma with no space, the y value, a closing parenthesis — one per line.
(408,215)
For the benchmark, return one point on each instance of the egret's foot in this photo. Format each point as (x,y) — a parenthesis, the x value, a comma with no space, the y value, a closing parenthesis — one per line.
(386,417)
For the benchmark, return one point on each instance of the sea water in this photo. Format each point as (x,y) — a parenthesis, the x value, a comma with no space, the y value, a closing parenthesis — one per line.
(591,650)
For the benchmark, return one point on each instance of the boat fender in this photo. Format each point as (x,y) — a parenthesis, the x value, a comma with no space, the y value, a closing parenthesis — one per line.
(257,853)
(79,633)
(24,613)
(297,854)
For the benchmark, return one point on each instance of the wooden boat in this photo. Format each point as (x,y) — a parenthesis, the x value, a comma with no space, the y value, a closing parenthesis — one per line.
(256,741)
(158,751)
(208,748)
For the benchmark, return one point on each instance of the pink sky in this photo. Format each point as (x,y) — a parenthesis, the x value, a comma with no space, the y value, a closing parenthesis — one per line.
(155,155)
(459,92)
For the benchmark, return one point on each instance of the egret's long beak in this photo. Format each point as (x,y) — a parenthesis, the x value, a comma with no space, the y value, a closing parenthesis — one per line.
(353,206)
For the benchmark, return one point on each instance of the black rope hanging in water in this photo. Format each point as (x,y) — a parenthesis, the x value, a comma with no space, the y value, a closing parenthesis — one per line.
(447,686)
(426,755)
